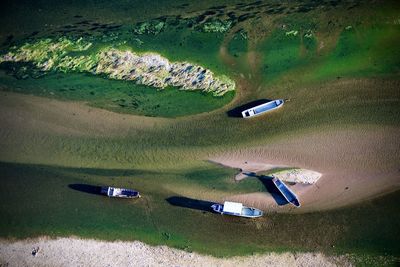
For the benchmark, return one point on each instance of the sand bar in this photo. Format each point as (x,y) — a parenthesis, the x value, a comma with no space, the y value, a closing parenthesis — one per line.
(357,163)
(79,252)
(27,113)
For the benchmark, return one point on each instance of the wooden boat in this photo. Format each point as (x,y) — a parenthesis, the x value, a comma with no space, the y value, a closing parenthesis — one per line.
(286,192)
(119,192)
(236,209)
(263,108)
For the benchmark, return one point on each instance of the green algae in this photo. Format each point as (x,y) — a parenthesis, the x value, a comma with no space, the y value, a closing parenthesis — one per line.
(46,54)
(185,45)
(283,52)
(291,33)
(114,95)
(362,52)
(216,26)
(149,68)
(238,45)
(156,26)
(153,27)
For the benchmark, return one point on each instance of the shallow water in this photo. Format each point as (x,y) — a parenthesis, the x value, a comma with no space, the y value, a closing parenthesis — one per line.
(266,59)
(42,200)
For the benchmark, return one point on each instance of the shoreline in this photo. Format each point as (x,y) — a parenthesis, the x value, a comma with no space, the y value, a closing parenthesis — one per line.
(75,251)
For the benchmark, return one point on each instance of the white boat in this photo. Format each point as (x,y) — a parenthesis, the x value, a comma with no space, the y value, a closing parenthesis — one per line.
(236,209)
(263,108)
(119,192)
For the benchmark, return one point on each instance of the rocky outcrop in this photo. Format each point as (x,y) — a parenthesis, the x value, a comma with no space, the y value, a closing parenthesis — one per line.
(148,69)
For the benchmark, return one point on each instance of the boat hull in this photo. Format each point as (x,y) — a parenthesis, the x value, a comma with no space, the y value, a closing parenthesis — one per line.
(263,108)
(119,192)
(246,212)
(286,192)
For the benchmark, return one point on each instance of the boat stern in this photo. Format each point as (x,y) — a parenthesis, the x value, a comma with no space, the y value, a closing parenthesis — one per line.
(217,207)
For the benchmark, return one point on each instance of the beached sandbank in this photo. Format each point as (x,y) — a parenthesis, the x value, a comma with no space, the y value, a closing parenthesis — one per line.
(79,252)
(356,164)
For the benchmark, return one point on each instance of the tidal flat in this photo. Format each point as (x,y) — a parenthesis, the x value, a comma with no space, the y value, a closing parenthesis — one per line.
(66,128)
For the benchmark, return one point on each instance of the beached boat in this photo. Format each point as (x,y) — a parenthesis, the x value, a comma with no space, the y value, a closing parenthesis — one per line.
(119,192)
(236,209)
(263,108)
(286,192)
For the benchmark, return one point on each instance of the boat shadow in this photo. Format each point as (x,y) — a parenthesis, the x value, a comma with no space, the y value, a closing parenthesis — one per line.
(237,112)
(86,188)
(190,203)
(270,186)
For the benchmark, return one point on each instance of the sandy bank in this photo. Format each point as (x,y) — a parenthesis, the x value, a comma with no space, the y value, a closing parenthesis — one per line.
(26,113)
(78,252)
(356,164)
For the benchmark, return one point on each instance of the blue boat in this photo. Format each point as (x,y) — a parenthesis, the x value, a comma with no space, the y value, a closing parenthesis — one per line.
(119,192)
(263,108)
(286,192)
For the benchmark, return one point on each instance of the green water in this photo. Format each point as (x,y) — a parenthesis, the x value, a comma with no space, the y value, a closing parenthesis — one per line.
(365,46)
(363,52)
(238,45)
(283,53)
(184,45)
(37,200)
(118,96)
(288,53)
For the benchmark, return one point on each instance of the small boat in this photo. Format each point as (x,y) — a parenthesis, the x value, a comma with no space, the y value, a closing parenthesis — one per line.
(236,209)
(119,192)
(260,109)
(286,192)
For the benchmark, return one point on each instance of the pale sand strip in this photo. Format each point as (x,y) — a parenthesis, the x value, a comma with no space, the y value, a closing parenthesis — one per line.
(79,252)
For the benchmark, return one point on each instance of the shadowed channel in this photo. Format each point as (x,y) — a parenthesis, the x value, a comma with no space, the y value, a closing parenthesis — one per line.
(271,188)
(87,188)
(190,203)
